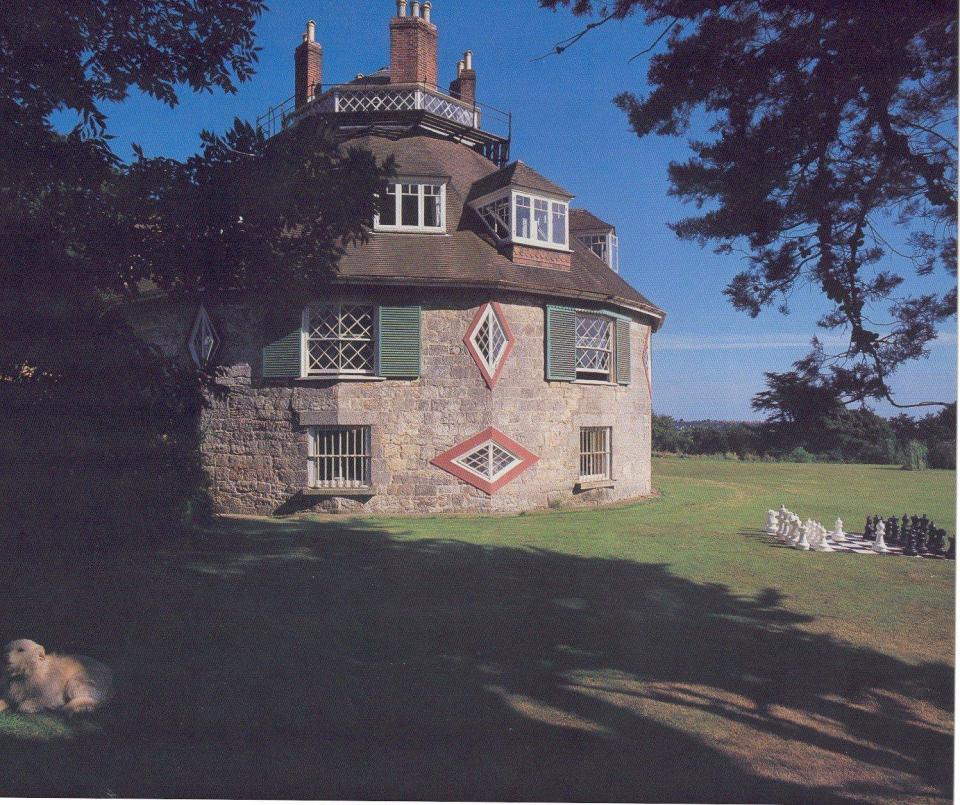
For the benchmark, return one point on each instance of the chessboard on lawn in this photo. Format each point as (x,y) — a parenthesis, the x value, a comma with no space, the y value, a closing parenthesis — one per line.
(913,537)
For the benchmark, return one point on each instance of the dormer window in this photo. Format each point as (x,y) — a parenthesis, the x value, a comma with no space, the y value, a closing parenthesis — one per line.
(605,245)
(413,206)
(522,217)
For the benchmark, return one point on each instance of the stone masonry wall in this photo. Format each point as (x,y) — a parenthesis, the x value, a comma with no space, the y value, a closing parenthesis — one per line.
(255,441)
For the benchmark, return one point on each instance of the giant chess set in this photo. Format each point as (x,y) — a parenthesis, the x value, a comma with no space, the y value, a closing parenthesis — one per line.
(910,536)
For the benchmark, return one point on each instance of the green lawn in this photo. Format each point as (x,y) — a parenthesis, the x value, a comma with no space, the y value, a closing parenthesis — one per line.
(662,651)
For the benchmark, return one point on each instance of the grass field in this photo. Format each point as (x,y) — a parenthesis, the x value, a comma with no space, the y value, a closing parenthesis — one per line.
(662,651)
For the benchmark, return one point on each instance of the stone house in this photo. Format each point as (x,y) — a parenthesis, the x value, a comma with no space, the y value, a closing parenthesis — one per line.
(480,353)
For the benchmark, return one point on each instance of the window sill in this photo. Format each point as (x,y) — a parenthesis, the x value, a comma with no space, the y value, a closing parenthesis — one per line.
(585,382)
(342,379)
(366,492)
(584,486)
(411,230)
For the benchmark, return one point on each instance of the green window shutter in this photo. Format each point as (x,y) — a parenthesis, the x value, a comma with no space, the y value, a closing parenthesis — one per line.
(281,359)
(561,346)
(400,344)
(623,352)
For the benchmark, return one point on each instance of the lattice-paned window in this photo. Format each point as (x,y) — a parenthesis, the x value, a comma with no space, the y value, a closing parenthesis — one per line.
(594,347)
(340,340)
(490,461)
(596,454)
(204,340)
(339,458)
(413,207)
(490,339)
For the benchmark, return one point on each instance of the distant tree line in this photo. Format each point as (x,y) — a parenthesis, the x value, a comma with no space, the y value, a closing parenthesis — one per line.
(835,434)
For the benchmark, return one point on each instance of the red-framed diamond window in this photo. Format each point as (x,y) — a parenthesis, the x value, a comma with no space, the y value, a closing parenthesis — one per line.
(487,461)
(489,341)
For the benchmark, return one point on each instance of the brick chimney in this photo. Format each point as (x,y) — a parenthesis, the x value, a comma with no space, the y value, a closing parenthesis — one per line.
(464,86)
(308,61)
(413,45)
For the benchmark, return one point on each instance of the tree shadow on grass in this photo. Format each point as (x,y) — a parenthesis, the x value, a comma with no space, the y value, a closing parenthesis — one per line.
(334,660)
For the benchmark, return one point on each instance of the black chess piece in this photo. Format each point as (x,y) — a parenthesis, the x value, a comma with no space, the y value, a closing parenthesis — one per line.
(935,543)
(910,546)
(893,531)
(923,533)
(904,527)
(952,550)
(868,529)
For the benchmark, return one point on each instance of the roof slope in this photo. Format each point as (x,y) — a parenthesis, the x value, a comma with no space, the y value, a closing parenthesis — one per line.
(520,175)
(468,256)
(586,221)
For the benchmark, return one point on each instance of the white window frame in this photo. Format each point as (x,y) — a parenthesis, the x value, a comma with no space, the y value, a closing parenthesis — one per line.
(491,319)
(601,460)
(510,225)
(305,337)
(611,246)
(347,445)
(421,184)
(488,445)
(595,376)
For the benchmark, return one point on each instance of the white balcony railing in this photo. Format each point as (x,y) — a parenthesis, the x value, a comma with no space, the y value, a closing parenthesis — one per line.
(397,98)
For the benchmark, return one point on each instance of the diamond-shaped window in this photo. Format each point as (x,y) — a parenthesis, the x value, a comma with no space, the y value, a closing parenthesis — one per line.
(204,340)
(489,342)
(487,461)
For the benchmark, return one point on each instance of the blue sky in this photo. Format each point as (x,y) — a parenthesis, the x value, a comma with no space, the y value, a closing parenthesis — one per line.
(708,359)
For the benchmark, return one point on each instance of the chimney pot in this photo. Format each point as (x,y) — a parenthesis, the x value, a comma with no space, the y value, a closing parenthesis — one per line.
(415,8)
(401,8)
(468,60)
(426,11)
(311,35)
(308,62)
(460,67)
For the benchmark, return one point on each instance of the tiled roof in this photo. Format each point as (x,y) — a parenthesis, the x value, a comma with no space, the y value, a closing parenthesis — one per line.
(586,221)
(468,256)
(519,175)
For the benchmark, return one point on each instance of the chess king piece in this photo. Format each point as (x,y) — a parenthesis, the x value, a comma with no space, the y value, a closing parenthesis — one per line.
(952,550)
(878,543)
(823,541)
(803,543)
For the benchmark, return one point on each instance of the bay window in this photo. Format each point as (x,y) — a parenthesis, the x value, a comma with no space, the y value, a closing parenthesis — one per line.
(521,217)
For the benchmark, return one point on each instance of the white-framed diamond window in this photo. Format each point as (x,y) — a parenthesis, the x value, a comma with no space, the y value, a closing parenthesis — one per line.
(489,461)
(204,340)
(595,346)
(413,206)
(606,246)
(339,457)
(490,339)
(596,454)
(339,339)
(522,217)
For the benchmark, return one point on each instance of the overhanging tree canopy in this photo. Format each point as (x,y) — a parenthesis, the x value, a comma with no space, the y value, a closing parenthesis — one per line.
(832,120)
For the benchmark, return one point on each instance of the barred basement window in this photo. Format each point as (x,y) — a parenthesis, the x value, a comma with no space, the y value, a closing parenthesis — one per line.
(339,458)
(340,340)
(594,347)
(490,461)
(595,454)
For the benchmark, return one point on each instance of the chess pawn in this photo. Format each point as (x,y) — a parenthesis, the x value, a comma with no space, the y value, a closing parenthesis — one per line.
(823,543)
(878,544)
(803,543)
(838,529)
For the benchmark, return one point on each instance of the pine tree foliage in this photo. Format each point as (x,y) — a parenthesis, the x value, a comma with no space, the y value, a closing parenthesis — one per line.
(832,122)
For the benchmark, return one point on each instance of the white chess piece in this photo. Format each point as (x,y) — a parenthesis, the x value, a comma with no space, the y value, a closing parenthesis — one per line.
(816,535)
(771,522)
(838,529)
(823,544)
(782,522)
(878,544)
(803,543)
(791,535)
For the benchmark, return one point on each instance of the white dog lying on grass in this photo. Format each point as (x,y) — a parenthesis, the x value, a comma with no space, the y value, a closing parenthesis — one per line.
(33,681)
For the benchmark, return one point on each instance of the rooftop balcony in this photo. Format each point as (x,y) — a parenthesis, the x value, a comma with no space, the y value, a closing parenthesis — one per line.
(373,102)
